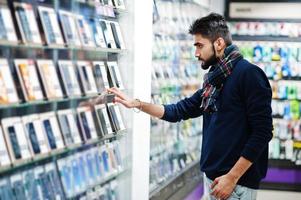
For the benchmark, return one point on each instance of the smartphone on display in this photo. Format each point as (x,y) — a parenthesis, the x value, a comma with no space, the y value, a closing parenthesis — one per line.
(50,134)
(49,30)
(24,23)
(14,142)
(85,125)
(33,138)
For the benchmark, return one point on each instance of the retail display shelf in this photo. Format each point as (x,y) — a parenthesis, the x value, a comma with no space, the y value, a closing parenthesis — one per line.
(177,36)
(102,182)
(119,11)
(60,48)
(271,61)
(192,59)
(160,150)
(57,59)
(279,99)
(286,79)
(190,173)
(285,164)
(199,3)
(264,38)
(173,179)
(97,4)
(280,187)
(277,117)
(60,153)
(52,102)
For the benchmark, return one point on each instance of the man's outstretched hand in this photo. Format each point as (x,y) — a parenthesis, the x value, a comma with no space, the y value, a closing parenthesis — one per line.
(120,97)
(101,99)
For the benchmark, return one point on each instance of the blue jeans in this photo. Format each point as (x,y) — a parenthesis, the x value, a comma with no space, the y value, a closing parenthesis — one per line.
(239,192)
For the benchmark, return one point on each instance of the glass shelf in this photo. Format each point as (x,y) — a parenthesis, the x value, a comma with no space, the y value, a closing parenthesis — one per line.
(102,182)
(279,99)
(12,110)
(265,38)
(117,11)
(286,79)
(60,153)
(161,186)
(60,48)
(37,103)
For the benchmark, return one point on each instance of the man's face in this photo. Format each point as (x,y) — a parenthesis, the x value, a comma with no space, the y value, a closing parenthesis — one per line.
(204,51)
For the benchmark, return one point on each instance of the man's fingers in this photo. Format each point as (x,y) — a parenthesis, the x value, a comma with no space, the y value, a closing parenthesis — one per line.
(119,100)
(113,89)
(214,189)
(214,192)
(218,194)
(224,196)
(227,196)
(117,92)
(86,104)
(215,182)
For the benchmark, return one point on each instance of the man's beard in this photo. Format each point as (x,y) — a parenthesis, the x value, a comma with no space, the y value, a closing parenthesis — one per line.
(211,61)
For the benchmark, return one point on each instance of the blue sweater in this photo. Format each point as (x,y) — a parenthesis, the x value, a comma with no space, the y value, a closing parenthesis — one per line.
(242,126)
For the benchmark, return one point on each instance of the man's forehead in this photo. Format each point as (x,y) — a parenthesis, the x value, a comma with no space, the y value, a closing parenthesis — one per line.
(200,39)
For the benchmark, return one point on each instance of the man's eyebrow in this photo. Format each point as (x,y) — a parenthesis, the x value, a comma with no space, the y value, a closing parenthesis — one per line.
(198,44)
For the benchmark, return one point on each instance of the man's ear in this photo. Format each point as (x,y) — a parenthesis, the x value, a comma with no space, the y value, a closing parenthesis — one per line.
(219,44)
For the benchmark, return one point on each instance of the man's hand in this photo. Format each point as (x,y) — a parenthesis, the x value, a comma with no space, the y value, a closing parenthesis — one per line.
(223,186)
(101,99)
(149,108)
(122,98)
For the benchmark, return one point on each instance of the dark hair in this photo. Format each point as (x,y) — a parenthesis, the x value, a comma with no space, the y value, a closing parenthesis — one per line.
(212,27)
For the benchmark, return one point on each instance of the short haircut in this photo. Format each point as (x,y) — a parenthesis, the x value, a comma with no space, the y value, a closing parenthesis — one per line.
(212,27)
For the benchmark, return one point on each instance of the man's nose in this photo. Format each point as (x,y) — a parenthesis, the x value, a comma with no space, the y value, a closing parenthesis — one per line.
(197,53)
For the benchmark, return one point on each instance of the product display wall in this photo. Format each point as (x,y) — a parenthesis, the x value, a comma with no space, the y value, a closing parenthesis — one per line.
(275,48)
(176,74)
(56,56)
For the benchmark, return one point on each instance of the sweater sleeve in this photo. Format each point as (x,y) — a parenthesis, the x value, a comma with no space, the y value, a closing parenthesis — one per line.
(257,95)
(184,109)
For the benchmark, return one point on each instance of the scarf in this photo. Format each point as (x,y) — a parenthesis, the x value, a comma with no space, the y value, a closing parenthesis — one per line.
(214,79)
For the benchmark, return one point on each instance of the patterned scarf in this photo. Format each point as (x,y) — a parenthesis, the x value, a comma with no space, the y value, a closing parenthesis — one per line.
(214,79)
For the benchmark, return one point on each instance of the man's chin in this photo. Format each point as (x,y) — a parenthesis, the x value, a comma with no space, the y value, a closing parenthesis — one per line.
(204,66)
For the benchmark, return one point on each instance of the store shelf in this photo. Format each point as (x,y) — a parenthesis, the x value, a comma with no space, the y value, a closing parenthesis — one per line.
(57,101)
(287,79)
(279,99)
(280,186)
(274,61)
(102,182)
(265,38)
(44,106)
(75,157)
(179,181)
(277,117)
(285,164)
(54,155)
(60,48)
(199,3)
(160,150)
(106,99)
(175,36)
(117,11)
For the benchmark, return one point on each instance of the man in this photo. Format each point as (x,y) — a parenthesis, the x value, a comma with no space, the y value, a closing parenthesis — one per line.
(235,102)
